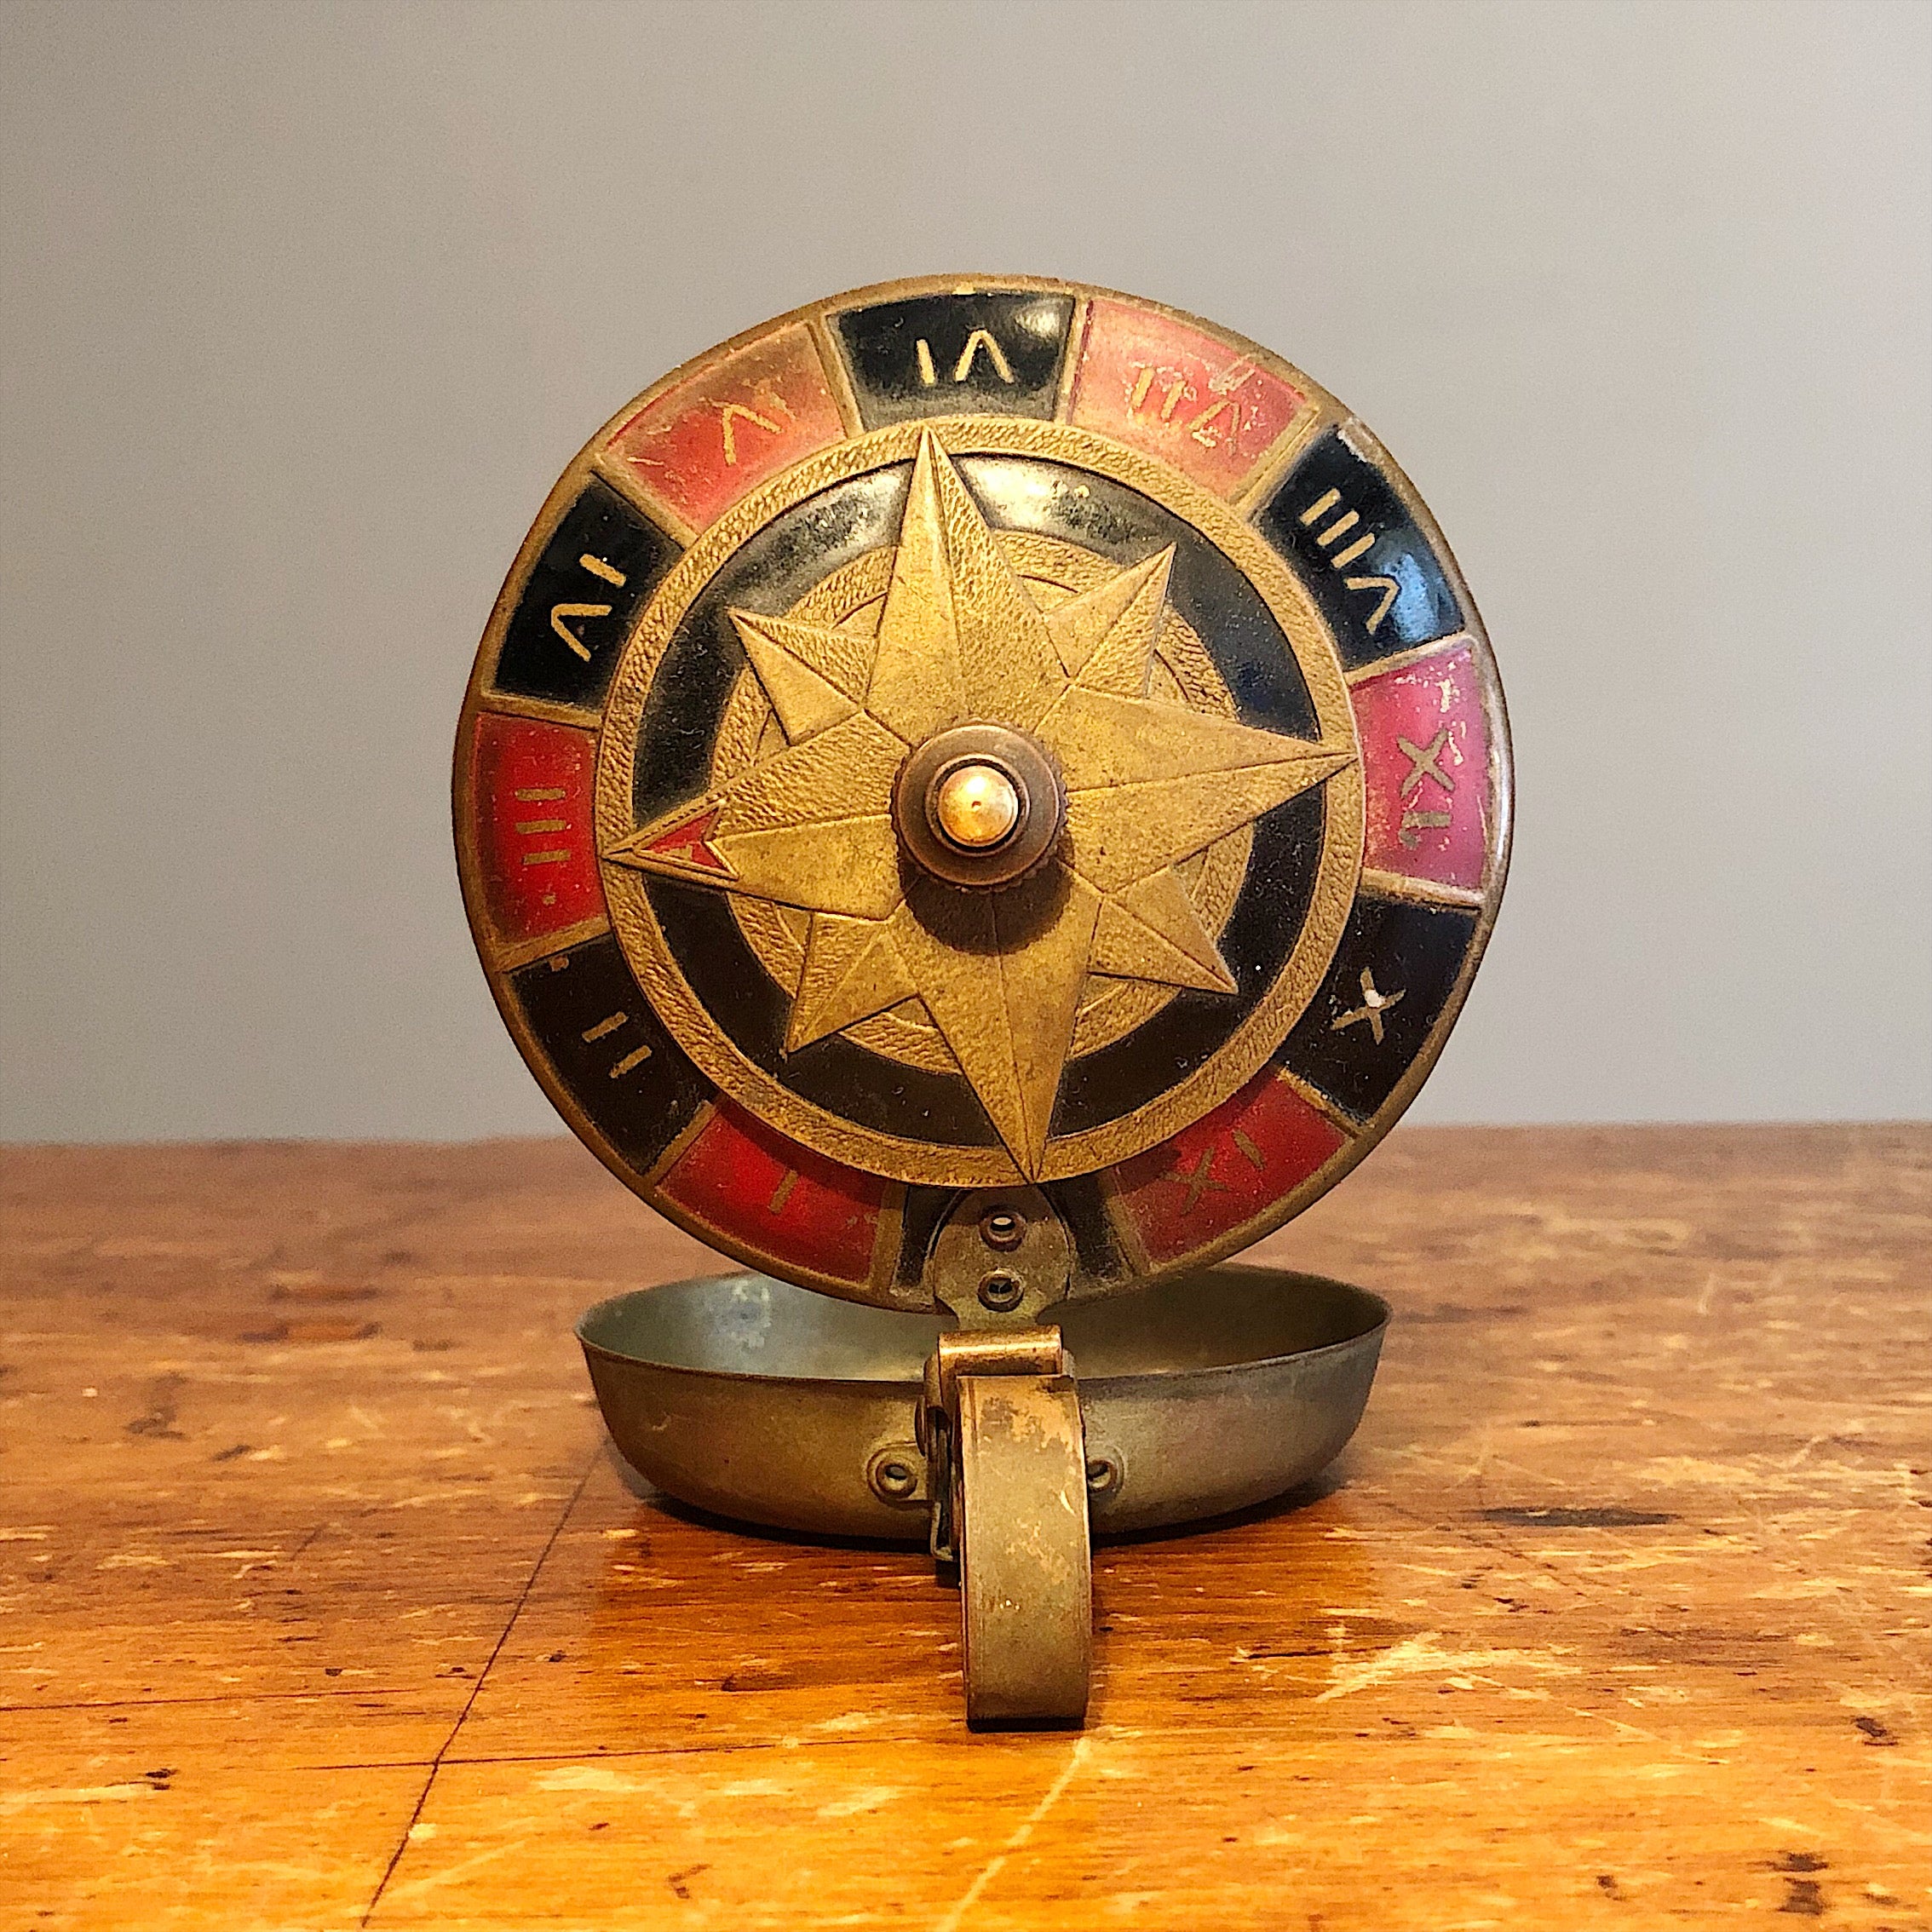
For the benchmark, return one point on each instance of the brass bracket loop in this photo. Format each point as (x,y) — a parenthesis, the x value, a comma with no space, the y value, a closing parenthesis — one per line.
(1000,1422)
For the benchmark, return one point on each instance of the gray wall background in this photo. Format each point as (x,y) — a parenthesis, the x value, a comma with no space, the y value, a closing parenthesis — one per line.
(304,306)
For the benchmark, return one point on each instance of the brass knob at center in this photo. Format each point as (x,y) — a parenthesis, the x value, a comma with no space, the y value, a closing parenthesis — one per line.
(979,805)
(975,807)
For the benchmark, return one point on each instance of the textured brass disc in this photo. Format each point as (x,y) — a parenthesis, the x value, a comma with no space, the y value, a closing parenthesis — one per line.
(970,735)
(1001,976)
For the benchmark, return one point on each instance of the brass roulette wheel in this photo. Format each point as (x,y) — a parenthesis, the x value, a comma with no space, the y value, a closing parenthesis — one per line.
(981,799)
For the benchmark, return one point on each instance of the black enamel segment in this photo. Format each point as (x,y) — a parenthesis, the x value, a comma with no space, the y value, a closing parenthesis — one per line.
(1081,1205)
(565,593)
(956,355)
(1192,1026)
(1413,955)
(920,1216)
(569,1002)
(835,1073)
(1328,486)
(678,733)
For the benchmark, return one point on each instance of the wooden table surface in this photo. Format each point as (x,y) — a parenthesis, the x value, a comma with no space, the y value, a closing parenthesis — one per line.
(326,1606)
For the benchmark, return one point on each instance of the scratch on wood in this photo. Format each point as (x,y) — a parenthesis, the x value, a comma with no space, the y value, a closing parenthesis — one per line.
(868,1798)
(162,1410)
(1601,1516)
(1423,1654)
(677,1879)
(79,1794)
(1028,1826)
(469,1704)
(460,1869)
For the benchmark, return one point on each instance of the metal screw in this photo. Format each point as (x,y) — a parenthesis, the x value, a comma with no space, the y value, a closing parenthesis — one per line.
(1002,1228)
(894,1478)
(1001,1292)
(1103,1473)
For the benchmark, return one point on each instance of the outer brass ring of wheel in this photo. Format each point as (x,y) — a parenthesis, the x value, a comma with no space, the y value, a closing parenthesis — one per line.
(1130,604)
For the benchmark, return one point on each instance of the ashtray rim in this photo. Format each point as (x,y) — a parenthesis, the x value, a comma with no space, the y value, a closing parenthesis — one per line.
(1081,1312)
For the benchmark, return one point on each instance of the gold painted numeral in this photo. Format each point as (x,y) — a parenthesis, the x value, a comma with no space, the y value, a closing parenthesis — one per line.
(1203,429)
(1384,588)
(597,568)
(975,342)
(1198,1180)
(1425,762)
(560,612)
(740,412)
(1218,420)
(539,828)
(979,339)
(603,1028)
(1374,1004)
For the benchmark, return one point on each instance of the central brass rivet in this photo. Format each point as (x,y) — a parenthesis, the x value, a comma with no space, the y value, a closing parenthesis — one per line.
(975,807)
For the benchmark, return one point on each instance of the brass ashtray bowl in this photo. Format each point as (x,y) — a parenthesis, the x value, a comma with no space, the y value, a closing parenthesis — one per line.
(759,1400)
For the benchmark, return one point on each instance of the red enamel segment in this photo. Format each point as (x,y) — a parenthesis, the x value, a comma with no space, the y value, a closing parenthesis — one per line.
(690,844)
(701,445)
(778,1199)
(1425,765)
(1226,1168)
(1180,393)
(529,792)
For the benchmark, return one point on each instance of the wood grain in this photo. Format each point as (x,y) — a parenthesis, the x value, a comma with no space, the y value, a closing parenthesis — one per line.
(325,1605)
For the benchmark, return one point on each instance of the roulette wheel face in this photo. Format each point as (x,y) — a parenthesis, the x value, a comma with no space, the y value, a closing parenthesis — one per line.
(998,738)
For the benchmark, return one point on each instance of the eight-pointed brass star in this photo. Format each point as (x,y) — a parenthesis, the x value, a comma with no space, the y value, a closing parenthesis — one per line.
(1144,782)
